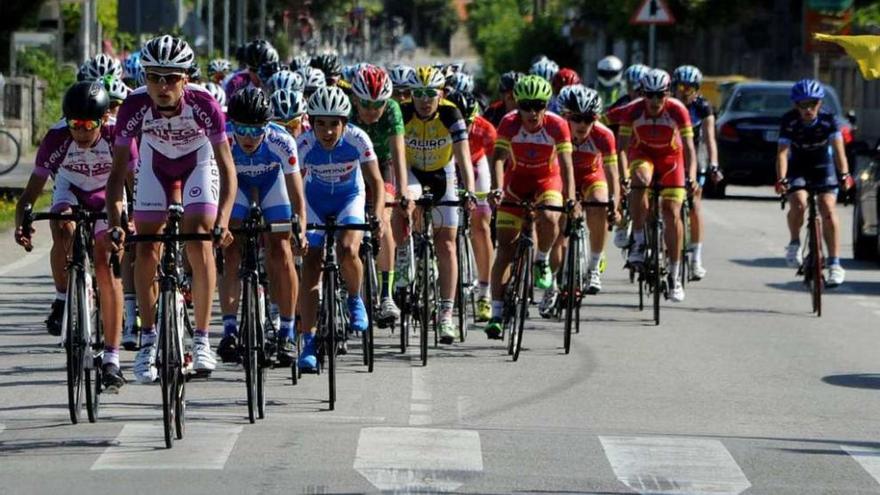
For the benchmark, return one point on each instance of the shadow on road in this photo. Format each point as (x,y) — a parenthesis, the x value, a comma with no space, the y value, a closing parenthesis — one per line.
(870,381)
(848,288)
(778,262)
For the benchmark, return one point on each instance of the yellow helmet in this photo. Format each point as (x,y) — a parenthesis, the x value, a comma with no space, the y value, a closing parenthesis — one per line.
(427,76)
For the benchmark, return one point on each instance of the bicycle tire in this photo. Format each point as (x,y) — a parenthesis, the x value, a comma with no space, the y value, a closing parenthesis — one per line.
(247,338)
(655,262)
(10,159)
(403,299)
(569,288)
(369,295)
(167,374)
(525,287)
(461,292)
(424,316)
(817,262)
(512,301)
(93,390)
(330,329)
(262,359)
(73,344)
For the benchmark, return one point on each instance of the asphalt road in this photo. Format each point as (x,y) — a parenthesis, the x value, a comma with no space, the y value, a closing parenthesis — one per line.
(739,390)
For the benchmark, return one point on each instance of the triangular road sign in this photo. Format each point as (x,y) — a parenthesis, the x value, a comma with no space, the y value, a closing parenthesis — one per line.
(653,12)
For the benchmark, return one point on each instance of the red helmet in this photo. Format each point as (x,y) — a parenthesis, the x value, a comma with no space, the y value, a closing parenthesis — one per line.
(372,83)
(565,77)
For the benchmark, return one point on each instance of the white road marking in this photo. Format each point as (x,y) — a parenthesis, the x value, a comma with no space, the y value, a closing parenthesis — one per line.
(142,446)
(464,406)
(674,465)
(31,258)
(423,460)
(420,395)
(867,457)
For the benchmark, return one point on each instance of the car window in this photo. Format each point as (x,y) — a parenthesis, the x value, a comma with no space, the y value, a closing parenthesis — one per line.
(771,101)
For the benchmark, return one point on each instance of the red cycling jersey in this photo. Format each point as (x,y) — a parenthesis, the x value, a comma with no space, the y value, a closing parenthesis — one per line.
(656,134)
(481,138)
(591,156)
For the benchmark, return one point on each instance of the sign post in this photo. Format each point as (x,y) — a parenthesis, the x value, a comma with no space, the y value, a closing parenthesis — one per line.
(652,13)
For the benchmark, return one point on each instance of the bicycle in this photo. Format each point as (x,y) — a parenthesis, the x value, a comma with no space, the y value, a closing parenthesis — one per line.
(82,331)
(255,356)
(518,292)
(465,289)
(368,252)
(173,363)
(332,312)
(10,148)
(813,258)
(687,251)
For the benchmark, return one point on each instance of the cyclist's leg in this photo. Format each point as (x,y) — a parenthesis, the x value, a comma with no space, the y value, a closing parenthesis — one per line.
(797,207)
(283,283)
(230,285)
(348,247)
(110,291)
(481,234)
(508,223)
(445,219)
(670,175)
(200,213)
(548,191)
(696,230)
(597,220)
(62,237)
(641,173)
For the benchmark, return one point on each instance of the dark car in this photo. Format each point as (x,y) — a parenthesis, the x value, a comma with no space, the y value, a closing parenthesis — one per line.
(866,204)
(747,130)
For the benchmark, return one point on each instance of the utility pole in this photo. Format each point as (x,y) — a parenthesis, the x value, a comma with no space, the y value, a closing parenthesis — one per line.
(210,23)
(263,19)
(226,29)
(85,32)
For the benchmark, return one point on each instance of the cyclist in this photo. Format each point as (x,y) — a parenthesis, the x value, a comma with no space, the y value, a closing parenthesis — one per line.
(132,70)
(218,93)
(481,140)
(595,169)
(538,145)
(632,77)
(807,137)
(256,54)
(380,116)
(314,79)
(117,91)
(289,111)
(400,76)
(544,68)
(267,166)
(436,146)
(329,65)
(609,82)
(565,77)
(285,79)
(77,153)
(656,133)
(506,103)
(336,158)
(184,157)
(687,80)
(99,66)
(218,70)
(459,82)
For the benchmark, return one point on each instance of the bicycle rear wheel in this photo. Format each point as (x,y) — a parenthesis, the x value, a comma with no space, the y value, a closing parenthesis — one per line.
(10,152)
(73,343)
(524,291)
(261,355)
(512,301)
(249,361)
(425,306)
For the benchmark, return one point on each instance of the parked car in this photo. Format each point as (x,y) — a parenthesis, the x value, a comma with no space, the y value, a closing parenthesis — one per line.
(866,204)
(747,130)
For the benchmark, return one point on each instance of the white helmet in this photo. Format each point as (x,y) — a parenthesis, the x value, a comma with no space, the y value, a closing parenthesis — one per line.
(609,70)
(287,104)
(168,52)
(578,98)
(285,79)
(219,66)
(313,78)
(400,76)
(656,80)
(117,89)
(329,102)
(460,82)
(545,68)
(99,66)
(218,93)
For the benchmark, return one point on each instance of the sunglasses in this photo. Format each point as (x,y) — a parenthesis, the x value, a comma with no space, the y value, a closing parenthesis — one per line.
(293,123)
(581,118)
(373,105)
(83,124)
(532,105)
(686,89)
(425,93)
(248,130)
(655,95)
(807,104)
(170,79)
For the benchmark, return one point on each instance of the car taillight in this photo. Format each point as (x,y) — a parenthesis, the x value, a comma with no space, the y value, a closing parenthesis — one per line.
(847,133)
(728,132)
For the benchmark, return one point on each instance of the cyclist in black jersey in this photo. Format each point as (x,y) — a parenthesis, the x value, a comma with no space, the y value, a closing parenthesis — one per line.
(807,138)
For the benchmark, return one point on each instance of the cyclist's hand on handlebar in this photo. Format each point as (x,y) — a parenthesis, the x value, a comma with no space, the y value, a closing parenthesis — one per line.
(847,182)
(23,238)
(782,186)
(494,197)
(574,208)
(470,200)
(116,236)
(222,236)
(715,174)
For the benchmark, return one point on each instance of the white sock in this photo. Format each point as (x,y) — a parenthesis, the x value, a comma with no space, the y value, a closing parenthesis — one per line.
(497,309)
(483,290)
(130,309)
(60,296)
(674,268)
(698,251)
(594,261)
(541,256)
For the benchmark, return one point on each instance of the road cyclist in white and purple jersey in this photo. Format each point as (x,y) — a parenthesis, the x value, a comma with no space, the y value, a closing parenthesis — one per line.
(77,153)
(184,158)
(268,172)
(336,158)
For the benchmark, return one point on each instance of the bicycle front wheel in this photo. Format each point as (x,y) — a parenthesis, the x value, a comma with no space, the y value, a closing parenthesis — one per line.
(330,334)
(369,264)
(10,152)
(816,258)
(523,309)
(167,371)
(74,344)
(248,315)
(572,266)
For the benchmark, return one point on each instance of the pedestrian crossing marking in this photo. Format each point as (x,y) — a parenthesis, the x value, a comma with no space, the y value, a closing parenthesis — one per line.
(142,446)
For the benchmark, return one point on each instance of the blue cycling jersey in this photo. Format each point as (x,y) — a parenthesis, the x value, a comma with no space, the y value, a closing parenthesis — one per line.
(277,154)
(336,171)
(809,142)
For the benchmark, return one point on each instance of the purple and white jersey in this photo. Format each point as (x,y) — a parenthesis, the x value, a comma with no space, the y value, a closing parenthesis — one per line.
(172,143)
(84,169)
(241,79)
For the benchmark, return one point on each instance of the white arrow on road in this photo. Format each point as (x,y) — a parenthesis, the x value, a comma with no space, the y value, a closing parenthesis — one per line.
(418,459)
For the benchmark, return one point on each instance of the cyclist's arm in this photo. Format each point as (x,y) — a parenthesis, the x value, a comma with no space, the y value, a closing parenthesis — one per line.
(711,144)
(228,181)
(622,159)
(32,190)
(498,159)
(116,184)
(295,192)
(398,161)
(613,180)
(373,177)
(840,154)
(567,172)
(690,158)
(462,152)
(782,160)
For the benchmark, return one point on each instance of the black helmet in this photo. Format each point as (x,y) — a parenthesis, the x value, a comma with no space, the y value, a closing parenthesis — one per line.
(259,52)
(249,106)
(466,104)
(86,100)
(269,69)
(508,81)
(328,63)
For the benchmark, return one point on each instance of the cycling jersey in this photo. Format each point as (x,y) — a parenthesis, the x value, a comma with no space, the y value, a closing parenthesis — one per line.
(495,112)
(334,183)
(389,124)
(80,174)
(174,151)
(590,158)
(810,154)
(610,94)
(239,80)
(264,171)
(481,138)
(699,110)
(622,101)
(429,142)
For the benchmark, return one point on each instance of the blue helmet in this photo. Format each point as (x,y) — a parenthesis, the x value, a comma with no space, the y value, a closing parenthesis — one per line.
(633,75)
(687,74)
(807,89)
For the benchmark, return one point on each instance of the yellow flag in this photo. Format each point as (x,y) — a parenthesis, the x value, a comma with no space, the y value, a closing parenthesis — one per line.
(864,49)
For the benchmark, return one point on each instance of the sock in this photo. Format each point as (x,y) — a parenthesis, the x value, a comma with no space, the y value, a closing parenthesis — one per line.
(274,311)
(674,268)
(111,355)
(230,325)
(541,256)
(446,305)
(698,251)
(639,236)
(483,290)
(60,296)
(287,330)
(148,336)
(833,260)
(387,281)
(497,308)
(130,310)
(200,336)
(594,261)
(795,242)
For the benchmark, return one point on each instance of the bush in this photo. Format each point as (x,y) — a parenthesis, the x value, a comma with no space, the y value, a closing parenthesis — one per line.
(37,62)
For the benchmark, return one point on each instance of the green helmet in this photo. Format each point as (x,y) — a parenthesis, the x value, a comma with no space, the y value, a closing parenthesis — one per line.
(532,87)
